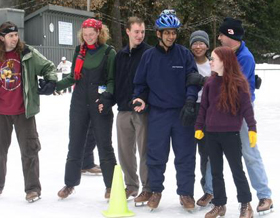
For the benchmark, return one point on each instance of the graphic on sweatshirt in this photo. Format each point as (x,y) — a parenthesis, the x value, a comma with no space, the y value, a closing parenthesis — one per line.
(10,75)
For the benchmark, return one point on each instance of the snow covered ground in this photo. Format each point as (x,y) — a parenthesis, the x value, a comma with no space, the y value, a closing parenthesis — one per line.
(88,201)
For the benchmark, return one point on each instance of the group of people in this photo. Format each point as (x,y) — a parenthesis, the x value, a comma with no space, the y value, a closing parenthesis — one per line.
(159,96)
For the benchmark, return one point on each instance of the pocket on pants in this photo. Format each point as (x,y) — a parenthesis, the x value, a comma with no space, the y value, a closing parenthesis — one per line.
(31,147)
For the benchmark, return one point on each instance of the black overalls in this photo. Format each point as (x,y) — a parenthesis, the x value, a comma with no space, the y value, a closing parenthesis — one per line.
(83,110)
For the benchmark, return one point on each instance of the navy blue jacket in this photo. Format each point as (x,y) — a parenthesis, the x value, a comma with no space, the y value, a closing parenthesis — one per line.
(160,79)
(126,64)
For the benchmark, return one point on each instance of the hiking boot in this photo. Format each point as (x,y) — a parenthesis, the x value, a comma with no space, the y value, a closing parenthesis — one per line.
(65,192)
(216,211)
(187,202)
(143,197)
(94,170)
(154,200)
(129,193)
(264,205)
(107,193)
(246,211)
(32,196)
(204,200)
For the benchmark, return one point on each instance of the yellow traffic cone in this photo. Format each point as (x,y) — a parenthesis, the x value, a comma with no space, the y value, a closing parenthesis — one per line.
(118,202)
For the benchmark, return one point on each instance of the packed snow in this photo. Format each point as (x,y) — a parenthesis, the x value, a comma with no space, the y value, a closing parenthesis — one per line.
(88,200)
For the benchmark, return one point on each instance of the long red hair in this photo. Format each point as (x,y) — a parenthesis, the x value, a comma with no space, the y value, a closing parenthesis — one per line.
(233,81)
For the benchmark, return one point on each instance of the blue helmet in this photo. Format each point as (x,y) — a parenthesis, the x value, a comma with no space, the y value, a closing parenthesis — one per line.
(167,21)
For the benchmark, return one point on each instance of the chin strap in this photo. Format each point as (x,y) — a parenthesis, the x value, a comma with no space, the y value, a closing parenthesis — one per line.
(160,39)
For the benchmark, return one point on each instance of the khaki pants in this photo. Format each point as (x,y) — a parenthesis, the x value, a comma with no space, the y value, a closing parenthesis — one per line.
(29,144)
(132,131)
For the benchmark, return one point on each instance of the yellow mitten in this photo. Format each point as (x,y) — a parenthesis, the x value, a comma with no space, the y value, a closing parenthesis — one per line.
(252,138)
(199,134)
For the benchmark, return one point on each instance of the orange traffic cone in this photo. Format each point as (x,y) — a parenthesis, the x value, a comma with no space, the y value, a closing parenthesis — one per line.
(118,203)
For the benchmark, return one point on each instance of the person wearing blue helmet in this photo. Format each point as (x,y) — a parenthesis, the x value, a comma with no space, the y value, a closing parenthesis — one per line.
(160,82)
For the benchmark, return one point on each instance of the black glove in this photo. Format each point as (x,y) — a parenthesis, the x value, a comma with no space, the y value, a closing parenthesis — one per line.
(46,87)
(188,114)
(258,81)
(106,98)
(195,79)
(136,104)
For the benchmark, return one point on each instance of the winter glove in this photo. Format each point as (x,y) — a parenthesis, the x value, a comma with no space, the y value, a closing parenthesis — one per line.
(258,82)
(252,138)
(195,79)
(188,115)
(136,104)
(199,134)
(106,98)
(46,87)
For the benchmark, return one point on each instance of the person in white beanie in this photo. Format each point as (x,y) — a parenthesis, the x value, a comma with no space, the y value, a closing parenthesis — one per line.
(65,67)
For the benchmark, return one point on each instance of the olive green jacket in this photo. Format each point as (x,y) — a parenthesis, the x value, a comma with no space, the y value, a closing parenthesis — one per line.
(91,62)
(34,64)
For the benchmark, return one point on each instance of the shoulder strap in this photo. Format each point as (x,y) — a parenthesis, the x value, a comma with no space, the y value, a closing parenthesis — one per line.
(107,51)
(105,70)
(77,49)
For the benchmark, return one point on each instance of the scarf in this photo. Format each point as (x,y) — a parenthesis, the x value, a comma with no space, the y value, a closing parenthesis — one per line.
(81,58)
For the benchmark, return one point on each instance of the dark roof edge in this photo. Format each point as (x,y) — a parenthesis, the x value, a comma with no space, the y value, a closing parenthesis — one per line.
(59,9)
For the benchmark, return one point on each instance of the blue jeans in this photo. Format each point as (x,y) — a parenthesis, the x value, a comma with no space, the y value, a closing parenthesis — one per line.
(205,167)
(254,165)
(208,188)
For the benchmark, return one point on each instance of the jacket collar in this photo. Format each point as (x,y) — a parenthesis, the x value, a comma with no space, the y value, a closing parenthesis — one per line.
(26,53)
(133,50)
(162,50)
(242,45)
(26,50)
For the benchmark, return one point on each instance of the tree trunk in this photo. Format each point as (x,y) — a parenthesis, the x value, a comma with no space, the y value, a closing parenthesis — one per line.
(116,30)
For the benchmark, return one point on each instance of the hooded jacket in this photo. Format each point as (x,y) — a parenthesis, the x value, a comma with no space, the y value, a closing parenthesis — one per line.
(34,64)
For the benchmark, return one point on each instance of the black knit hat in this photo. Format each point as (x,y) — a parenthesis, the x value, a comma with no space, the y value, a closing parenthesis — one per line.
(232,28)
(201,36)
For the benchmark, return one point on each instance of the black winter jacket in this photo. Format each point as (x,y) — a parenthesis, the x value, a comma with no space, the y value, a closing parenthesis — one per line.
(126,64)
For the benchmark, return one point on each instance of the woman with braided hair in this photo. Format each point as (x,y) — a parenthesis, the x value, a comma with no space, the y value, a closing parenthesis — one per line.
(92,74)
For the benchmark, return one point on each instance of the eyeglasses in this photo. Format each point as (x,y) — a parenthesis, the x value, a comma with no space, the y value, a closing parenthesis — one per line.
(200,44)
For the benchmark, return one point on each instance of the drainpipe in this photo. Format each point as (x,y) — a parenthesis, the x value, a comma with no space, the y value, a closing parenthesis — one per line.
(88,5)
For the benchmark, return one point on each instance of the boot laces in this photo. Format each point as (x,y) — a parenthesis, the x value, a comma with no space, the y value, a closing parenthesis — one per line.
(155,196)
(143,194)
(262,201)
(68,190)
(215,209)
(244,208)
(204,197)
